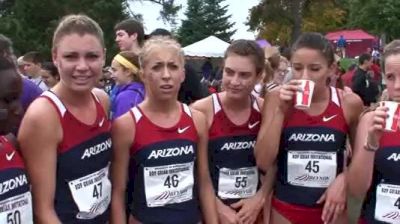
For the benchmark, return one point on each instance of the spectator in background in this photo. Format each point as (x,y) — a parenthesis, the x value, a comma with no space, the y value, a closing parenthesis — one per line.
(49,74)
(207,70)
(129,35)
(362,82)
(191,89)
(33,65)
(29,89)
(21,66)
(342,44)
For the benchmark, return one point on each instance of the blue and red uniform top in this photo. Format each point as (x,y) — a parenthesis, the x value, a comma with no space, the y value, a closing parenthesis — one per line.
(163,170)
(311,153)
(15,195)
(232,163)
(382,202)
(83,188)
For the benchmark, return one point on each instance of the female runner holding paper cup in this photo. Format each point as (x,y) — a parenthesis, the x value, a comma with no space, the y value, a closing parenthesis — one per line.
(166,143)
(375,169)
(305,126)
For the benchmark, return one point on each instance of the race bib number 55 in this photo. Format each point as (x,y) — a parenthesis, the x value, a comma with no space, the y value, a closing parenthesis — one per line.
(168,184)
(311,168)
(237,183)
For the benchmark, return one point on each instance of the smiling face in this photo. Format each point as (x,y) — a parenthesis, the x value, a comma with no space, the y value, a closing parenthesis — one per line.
(79,59)
(163,72)
(239,76)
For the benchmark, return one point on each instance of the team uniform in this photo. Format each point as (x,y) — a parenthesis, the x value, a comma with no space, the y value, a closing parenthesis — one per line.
(233,168)
(83,188)
(311,155)
(164,170)
(15,195)
(382,202)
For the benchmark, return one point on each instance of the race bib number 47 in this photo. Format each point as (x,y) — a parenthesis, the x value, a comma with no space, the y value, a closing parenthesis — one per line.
(92,194)
(168,184)
(387,208)
(311,168)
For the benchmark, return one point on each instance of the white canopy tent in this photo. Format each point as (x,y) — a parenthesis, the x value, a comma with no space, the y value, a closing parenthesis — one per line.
(208,47)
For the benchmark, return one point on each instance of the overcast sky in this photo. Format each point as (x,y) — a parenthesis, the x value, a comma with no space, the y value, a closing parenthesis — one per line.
(239,9)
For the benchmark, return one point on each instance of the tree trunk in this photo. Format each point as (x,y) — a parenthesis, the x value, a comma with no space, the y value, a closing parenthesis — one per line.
(297,9)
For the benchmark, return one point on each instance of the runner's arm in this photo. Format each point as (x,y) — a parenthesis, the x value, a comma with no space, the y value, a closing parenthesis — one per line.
(360,172)
(39,135)
(267,143)
(206,191)
(123,130)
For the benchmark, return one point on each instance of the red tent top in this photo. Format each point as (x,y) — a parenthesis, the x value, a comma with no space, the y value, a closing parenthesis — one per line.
(350,35)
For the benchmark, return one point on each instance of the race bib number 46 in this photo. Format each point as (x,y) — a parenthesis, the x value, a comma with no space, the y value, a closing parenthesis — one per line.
(387,208)
(92,194)
(237,183)
(168,184)
(17,209)
(311,168)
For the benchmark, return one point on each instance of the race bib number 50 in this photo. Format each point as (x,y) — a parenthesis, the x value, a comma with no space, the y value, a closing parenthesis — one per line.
(387,208)
(168,184)
(17,209)
(92,194)
(311,168)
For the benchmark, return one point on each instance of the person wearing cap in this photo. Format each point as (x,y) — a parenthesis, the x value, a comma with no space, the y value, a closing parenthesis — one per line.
(129,88)
(129,35)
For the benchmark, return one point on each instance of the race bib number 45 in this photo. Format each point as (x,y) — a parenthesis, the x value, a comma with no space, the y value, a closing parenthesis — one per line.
(311,168)
(168,184)
(387,208)
(92,194)
(237,183)
(17,209)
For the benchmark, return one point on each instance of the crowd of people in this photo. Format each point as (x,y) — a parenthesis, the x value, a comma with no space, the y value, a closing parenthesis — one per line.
(280,142)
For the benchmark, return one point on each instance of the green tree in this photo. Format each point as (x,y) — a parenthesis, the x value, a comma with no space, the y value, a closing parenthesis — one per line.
(217,20)
(194,27)
(284,20)
(380,17)
(30,24)
(205,18)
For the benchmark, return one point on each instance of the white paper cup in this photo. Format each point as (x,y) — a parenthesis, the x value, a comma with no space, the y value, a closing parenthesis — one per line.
(392,121)
(304,97)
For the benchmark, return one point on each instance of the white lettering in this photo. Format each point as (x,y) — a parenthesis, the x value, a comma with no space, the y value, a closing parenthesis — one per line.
(11,184)
(94,150)
(238,145)
(169,152)
(312,137)
(395,157)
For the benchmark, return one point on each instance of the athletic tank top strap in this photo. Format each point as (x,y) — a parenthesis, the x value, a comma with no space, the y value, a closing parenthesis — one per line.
(335,96)
(216,104)
(186,109)
(136,114)
(255,103)
(55,101)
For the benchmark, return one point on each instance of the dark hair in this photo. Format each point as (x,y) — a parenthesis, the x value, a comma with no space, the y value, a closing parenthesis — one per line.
(5,46)
(34,57)
(160,32)
(131,26)
(77,24)
(393,48)
(364,57)
(316,41)
(51,68)
(248,48)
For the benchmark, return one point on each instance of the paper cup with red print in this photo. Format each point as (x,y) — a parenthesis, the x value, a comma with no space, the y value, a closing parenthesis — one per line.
(303,97)
(392,121)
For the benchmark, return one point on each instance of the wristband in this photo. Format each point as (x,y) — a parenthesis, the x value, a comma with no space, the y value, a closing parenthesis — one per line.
(369,147)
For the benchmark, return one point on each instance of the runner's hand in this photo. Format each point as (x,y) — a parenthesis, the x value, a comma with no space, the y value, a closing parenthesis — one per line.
(377,125)
(226,215)
(287,93)
(335,200)
(249,208)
